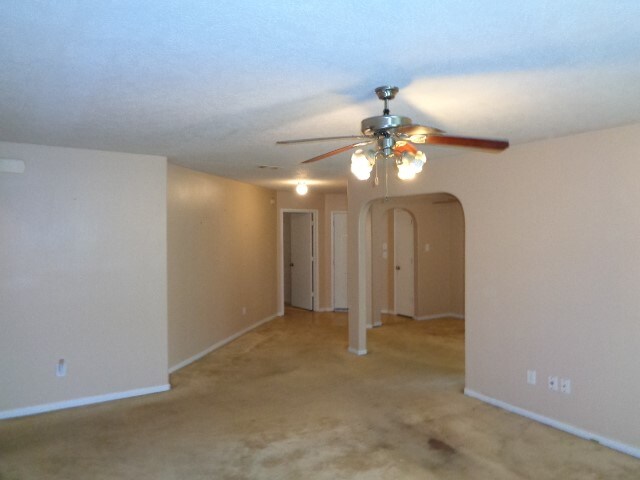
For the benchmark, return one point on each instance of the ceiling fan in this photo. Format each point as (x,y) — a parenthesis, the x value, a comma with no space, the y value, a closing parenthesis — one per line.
(394,137)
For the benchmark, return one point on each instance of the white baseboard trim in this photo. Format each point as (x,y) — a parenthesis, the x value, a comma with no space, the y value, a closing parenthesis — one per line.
(325,309)
(80,402)
(436,316)
(578,432)
(387,312)
(358,352)
(219,344)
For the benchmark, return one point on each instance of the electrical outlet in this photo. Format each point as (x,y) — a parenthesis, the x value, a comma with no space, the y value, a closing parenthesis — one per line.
(553,383)
(531,377)
(565,385)
(61,368)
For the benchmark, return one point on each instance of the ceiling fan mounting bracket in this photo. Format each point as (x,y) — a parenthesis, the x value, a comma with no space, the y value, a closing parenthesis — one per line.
(386,92)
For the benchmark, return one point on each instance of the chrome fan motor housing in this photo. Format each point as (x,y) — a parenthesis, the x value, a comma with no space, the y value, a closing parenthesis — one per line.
(383,123)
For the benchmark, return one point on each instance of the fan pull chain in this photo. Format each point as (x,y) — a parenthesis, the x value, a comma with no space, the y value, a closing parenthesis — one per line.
(386,180)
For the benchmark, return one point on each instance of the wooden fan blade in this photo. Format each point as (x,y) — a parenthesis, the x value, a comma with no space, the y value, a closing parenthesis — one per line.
(418,130)
(452,141)
(320,139)
(337,151)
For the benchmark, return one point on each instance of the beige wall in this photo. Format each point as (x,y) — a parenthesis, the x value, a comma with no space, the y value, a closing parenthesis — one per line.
(552,269)
(82,275)
(456,252)
(439,283)
(221,244)
(325,204)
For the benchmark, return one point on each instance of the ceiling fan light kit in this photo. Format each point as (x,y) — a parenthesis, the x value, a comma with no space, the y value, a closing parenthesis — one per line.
(362,164)
(394,137)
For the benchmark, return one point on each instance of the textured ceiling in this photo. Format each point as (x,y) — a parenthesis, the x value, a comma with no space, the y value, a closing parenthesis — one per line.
(213,84)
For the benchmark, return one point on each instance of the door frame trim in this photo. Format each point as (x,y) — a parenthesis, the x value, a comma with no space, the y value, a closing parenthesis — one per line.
(315,263)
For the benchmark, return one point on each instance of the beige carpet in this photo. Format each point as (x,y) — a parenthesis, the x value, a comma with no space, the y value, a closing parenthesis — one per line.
(287,401)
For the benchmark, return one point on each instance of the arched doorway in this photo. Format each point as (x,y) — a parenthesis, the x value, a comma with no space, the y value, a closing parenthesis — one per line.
(436,250)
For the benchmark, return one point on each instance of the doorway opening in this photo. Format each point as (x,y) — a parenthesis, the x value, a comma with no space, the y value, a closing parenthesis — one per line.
(403,263)
(299,272)
(417,262)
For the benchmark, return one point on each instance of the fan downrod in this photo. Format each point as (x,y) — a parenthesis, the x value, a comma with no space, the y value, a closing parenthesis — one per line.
(386,93)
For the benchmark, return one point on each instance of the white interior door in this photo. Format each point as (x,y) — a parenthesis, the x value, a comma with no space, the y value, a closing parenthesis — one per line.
(301,260)
(340,261)
(403,246)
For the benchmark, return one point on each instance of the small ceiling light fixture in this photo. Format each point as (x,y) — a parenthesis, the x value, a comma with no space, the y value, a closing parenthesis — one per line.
(302,188)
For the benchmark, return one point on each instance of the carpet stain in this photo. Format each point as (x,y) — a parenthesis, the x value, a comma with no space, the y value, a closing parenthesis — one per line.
(441,446)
